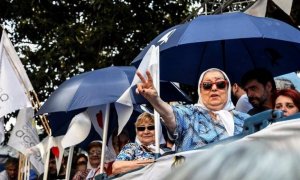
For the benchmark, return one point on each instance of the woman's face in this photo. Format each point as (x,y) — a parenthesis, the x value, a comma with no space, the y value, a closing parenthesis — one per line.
(81,164)
(286,104)
(94,156)
(145,133)
(214,90)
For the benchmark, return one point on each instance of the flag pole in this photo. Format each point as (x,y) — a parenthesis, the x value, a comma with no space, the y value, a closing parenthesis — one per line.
(69,163)
(154,68)
(104,140)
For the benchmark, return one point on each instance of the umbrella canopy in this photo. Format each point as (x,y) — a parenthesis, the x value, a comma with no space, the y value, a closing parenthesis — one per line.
(233,42)
(100,87)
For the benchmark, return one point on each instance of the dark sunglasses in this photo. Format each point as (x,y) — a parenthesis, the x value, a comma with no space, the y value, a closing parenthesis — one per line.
(220,85)
(142,128)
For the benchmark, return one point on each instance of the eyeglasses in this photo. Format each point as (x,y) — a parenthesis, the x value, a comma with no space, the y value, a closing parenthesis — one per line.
(142,128)
(95,152)
(222,84)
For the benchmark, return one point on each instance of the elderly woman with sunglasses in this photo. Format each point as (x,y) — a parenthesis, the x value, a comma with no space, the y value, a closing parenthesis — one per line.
(212,119)
(140,153)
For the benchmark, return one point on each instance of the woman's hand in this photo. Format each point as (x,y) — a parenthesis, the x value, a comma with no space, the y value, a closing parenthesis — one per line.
(146,87)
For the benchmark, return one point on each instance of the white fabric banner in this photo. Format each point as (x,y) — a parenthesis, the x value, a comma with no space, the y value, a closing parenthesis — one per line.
(12,92)
(24,136)
(276,135)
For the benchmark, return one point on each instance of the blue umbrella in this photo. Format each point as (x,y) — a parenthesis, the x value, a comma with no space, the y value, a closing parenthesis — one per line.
(233,42)
(102,86)
(94,88)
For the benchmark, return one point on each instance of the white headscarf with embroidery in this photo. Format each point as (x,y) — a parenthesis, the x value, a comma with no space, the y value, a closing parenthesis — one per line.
(224,115)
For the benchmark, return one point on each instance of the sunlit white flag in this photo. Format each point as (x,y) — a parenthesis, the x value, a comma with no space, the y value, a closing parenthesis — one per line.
(124,105)
(12,92)
(14,58)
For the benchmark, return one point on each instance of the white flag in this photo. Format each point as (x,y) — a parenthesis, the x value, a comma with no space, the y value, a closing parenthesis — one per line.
(14,58)
(24,136)
(2,132)
(12,92)
(124,105)
(285,5)
(58,150)
(97,116)
(78,130)
(259,8)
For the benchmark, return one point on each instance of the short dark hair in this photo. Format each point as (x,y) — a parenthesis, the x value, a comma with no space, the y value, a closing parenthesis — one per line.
(261,75)
(81,156)
(12,161)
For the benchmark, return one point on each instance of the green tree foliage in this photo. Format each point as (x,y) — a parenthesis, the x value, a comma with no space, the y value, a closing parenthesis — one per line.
(75,36)
(70,36)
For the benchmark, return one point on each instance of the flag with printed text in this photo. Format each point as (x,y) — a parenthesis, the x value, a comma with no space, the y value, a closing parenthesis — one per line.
(13,93)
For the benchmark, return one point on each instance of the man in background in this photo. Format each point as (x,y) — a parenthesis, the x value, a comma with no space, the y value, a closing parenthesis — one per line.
(260,88)
(240,95)
(11,169)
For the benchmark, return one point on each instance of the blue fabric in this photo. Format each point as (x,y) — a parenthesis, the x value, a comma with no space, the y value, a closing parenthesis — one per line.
(195,128)
(232,42)
(133,151)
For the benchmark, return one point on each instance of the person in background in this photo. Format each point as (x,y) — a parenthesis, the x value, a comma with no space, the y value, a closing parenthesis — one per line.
(119,141)
(260,88)
(212,119)
(140,153)
(287,100)
(52,170)
(80,164)
(11,169)
(94,155)
(242,103)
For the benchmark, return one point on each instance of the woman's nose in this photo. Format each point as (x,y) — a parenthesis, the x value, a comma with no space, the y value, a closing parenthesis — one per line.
(214,87)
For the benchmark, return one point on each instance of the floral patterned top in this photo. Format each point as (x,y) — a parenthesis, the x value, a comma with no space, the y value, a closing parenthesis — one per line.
(195,128)
(134,151)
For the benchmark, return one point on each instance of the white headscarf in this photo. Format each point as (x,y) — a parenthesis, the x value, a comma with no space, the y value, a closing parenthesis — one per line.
(224,115)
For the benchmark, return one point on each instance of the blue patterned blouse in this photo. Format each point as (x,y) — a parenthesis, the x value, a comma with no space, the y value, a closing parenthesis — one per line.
(195,128)
(133,151)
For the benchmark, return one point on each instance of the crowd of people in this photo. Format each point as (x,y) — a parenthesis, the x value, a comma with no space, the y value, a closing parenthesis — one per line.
(213,118)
